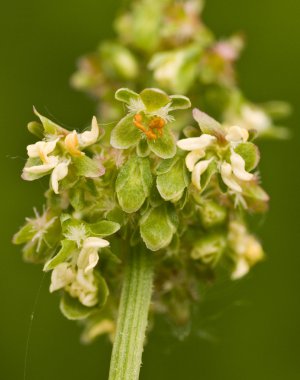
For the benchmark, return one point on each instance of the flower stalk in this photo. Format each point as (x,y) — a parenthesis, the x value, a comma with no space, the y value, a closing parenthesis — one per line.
(132,317)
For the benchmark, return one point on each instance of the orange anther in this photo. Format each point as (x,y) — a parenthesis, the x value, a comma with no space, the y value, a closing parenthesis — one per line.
(156,123)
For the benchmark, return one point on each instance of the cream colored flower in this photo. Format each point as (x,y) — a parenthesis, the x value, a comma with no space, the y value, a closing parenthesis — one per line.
(41,149)
(61,276)
(88,256)
(196,146)
(236,134)
(196,143)
(255,118)
(59,172)
(44,168)
(198,170)
(234,172)
(84,288)
(88,138)
(248,251)
(75,141)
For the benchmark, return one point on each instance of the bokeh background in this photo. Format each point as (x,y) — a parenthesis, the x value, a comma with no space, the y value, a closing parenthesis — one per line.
(247,330)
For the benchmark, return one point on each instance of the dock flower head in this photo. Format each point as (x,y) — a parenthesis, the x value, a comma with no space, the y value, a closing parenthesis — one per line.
(147,120)
(56,152)
(85,288)
(87,245)
(73,267)
(219,149)
(246,249)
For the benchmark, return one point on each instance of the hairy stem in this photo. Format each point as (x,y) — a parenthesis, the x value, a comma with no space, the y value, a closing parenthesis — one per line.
(133,317)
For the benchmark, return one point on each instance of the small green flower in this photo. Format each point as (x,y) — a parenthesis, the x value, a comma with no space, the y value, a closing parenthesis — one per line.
(147,120)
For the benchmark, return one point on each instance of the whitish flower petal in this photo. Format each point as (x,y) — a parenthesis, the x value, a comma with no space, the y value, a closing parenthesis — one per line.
(59,172)
(255,118)
(84,288)
(196,143)
(237,134)
(199,169)
(241,269)
(228,177)
(44,168)
(72,144)
(61,276)
(88,138)
(41,149)
(88,258)
(86,281)
(238,167)
(33,150)
(193,157)
(95,242)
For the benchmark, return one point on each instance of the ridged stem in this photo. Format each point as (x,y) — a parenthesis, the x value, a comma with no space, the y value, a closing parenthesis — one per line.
(133,317)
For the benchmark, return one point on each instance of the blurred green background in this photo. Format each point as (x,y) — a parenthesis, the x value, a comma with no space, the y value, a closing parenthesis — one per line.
(246,330)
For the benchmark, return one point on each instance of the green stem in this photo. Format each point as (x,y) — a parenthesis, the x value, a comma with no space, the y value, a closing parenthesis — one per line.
(133,317)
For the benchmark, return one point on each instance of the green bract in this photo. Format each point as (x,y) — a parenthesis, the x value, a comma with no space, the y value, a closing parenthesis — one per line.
(133,184)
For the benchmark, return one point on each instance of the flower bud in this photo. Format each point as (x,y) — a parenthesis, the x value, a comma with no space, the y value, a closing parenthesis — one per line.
(212,214)
(209,249)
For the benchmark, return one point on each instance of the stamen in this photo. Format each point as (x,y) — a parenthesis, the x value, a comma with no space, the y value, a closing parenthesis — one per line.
(156,126)
(157,123)
(137,120)
(71,143)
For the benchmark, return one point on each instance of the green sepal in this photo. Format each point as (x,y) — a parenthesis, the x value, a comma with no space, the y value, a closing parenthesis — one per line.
(125,134)
(212,214)
(153,99)
(256,197)
(50,128)
(125,94)
(180,102)
(133,184)
(250,153)
(142,149)
(72,309)
(67,221)
(171,184)
(24,234)
(39,256)
(208,125)
(33,161)
(166,165)
(209,248)
(67,248)
(86,167)
(208,174)
(164,146)
(157,227)
(36,129)
(104,228)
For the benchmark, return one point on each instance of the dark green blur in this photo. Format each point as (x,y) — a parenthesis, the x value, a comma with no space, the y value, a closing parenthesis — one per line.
(248,330)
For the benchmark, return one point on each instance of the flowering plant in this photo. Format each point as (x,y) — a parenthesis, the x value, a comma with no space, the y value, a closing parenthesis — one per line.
(161,194)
